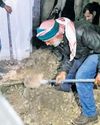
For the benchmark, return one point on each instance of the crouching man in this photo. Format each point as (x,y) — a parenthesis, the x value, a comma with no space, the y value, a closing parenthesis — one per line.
(79,44)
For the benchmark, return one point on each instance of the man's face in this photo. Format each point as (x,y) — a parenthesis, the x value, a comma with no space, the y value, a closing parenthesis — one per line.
(55,41)
(88,16)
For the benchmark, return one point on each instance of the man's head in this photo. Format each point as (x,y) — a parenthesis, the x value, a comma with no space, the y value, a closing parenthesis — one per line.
(89,16)
(50,32)
(91,12)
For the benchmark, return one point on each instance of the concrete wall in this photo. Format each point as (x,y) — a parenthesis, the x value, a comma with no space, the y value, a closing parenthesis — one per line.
(36,13)
(47,6)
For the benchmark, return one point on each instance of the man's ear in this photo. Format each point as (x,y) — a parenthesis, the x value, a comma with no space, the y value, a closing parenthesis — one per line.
(94,13)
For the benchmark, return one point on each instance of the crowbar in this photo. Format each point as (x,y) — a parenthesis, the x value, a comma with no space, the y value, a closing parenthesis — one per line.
(69,81)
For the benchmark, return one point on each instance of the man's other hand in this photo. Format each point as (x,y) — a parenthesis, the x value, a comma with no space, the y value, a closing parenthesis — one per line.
(97,80)
(8,8)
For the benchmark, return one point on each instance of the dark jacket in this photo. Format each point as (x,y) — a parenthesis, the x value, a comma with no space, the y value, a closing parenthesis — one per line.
(88,42)
(2,4)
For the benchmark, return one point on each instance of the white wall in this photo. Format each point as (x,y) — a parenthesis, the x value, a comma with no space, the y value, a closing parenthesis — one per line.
(21,29)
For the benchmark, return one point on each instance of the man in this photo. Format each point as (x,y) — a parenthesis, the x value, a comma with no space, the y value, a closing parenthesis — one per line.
(80,50)
(6,7)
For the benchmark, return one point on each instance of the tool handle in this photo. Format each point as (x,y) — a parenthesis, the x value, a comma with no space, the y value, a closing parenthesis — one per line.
(69,81)
(9,36)
(74,80)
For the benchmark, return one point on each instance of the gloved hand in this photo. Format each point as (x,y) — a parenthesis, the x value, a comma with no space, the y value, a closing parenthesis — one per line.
(97,80)
(61,76)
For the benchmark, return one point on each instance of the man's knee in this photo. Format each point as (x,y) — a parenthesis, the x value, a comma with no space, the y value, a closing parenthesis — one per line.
(88,68)
(81,74)
(93,58)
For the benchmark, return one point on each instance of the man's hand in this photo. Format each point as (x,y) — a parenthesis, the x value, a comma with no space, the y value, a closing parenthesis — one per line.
(8,8)
(61,76)
(97,80)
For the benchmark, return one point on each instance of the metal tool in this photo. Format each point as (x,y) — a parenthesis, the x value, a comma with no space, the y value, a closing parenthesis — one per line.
(9,36)
(68,81)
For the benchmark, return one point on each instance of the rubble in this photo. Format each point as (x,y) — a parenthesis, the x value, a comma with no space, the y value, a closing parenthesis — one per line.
(39,104)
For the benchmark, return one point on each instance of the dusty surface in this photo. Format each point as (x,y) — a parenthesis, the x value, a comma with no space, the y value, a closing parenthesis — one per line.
(39,104)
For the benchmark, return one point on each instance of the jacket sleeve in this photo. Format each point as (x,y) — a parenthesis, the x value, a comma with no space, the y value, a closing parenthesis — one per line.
(65,65)
(97,28)
(65,52)
(91,39)
(2,4)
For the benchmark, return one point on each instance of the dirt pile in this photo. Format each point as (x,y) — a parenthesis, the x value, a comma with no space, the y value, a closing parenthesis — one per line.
(44,105)
(41,105)
(42,64)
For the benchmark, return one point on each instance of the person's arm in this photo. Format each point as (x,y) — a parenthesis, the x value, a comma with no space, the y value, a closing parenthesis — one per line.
(65,63)
(63,70)
(2,4)
(6,7)
(97,29)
